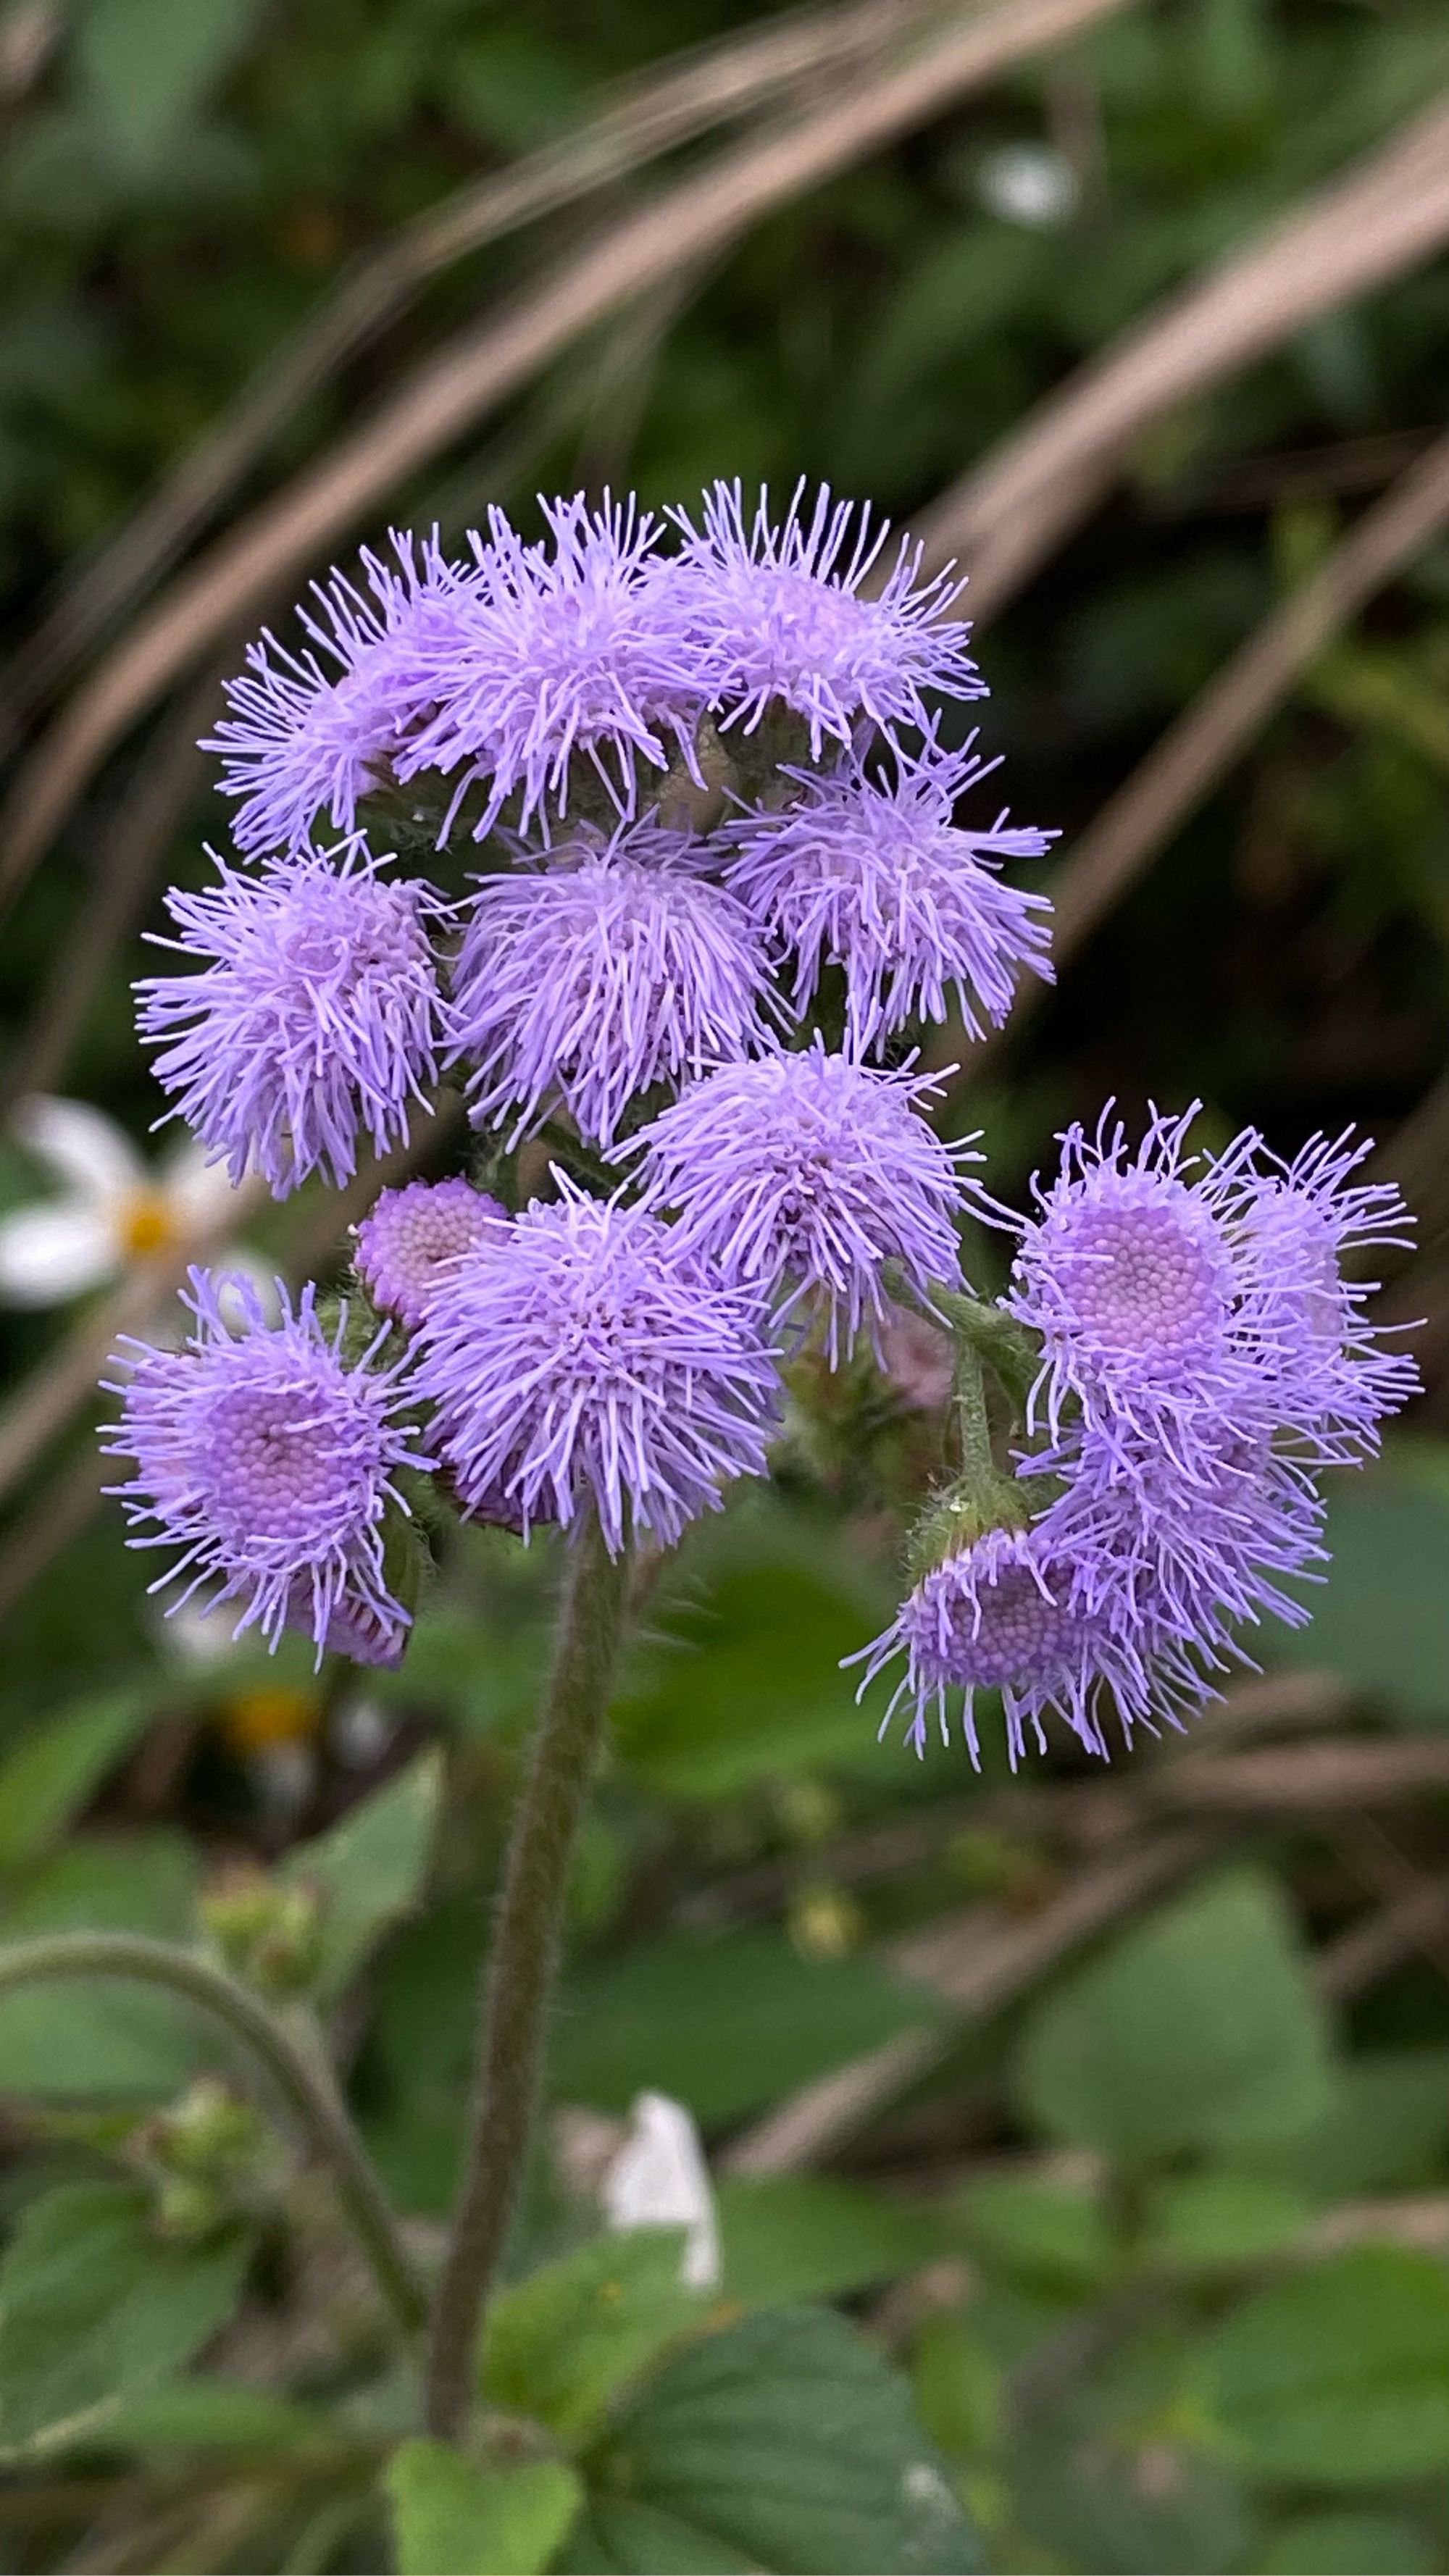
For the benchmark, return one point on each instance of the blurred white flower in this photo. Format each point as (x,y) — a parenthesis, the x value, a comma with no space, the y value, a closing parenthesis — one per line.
(113,1211)
(1030,184)
(659,2179)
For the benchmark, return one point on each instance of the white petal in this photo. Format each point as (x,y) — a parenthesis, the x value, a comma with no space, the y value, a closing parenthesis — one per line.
(197,1188)
(659,2179)
(50,1253)
(81,1145)
(239,1261)
(199,1630)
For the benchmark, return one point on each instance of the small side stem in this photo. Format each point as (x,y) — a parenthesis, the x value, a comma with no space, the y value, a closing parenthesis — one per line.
(305,2087)
(524,1962)
(968,1394)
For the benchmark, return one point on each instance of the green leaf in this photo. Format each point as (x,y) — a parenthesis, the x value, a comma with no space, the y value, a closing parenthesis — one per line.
(1386,2130)
(211,2415)
(1382,1617)
(785,2442)
(1199,2029)
(785,2237)
(370,1868)
(1205,2222)
(958,2388)
(454,2519)
(1347,2544)
(95,2306)
(85,2038)
(148,64)
(562,2343)
(1340,2375)
(1042,2231)
(724,2024)
(56,1769)
(1129,2496)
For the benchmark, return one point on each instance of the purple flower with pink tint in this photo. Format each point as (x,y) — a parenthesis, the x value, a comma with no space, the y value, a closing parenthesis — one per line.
(316,1016)
(600,974)
(269,1461)
(870,872)
(410,1234)
(579,652)
(781,617)
(302,741)
(810,1173)
(588,1356)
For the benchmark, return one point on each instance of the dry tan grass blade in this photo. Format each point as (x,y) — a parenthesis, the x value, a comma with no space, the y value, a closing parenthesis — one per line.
(479,369)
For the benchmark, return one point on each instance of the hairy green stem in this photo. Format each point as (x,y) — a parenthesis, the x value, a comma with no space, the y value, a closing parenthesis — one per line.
(524,1962)
(968,1394)
(305,2085)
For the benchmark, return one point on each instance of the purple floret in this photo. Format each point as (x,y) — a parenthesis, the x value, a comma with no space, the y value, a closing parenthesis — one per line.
(302,741)
(588,1356)
(316,1016)
(409,1234)
(607,971)
(579,651)
(871,873)
(268,1460)
(779,616)
(809,1173)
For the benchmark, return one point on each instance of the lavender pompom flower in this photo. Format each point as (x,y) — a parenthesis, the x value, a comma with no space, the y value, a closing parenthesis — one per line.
(1336,1381)
(300,742)
(409,1234)
(606,972)
(578,651)
(872,873)
(268,1459)
(316,1014)
(589,1356)
(778,615)
(811,1172)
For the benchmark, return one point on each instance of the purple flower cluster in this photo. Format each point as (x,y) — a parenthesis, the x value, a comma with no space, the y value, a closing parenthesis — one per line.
(1202,1357)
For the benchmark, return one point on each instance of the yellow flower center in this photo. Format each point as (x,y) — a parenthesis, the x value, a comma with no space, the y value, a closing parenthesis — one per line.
(276,1713)
(147,1224)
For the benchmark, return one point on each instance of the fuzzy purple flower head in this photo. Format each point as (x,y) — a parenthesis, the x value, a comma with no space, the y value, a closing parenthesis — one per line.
(606,971)
(410,1234)
(581,651)
(590,1356)
(316,1015)
(810,1173)
(300,742)
(871,873)
(269,1461)
(780,616)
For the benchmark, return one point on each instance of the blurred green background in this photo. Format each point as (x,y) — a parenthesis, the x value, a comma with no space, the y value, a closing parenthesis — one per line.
(1153,2202)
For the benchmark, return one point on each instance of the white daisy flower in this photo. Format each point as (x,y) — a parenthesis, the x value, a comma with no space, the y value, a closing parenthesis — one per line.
(659,2179)
(113,1212)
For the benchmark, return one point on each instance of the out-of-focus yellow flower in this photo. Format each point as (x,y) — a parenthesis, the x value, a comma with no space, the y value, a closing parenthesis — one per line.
(253,1721)
(825,1922)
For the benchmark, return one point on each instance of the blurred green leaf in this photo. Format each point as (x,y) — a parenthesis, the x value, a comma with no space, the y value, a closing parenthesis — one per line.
(1203,2222)
(1340,2375)
(1382,1617)
(1347,2544)
(724,2025)
(1045,2231)
(211,2415)
(1133,2497)
(786,2237)
(784,2442)
(146,65)
(454,2519)
(95,2306)
(560,2344)
(1387,2128)
(80,2039)
(55,1771)
(1198,2029)
(370,1867)
(959,2388)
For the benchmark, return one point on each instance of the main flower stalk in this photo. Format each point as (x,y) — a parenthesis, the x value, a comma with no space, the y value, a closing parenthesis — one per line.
(524,1960)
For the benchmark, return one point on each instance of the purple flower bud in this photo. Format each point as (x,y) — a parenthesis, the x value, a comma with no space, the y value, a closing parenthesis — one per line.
(872,874)
(268,1461)
(299,743)
(316,1015)
(409,1234)
(588,1354)
(549,655)
(810,1172)
(604,973)
(778,616)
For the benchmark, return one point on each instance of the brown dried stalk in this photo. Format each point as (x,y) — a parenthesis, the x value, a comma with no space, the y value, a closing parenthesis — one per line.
(477,370)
